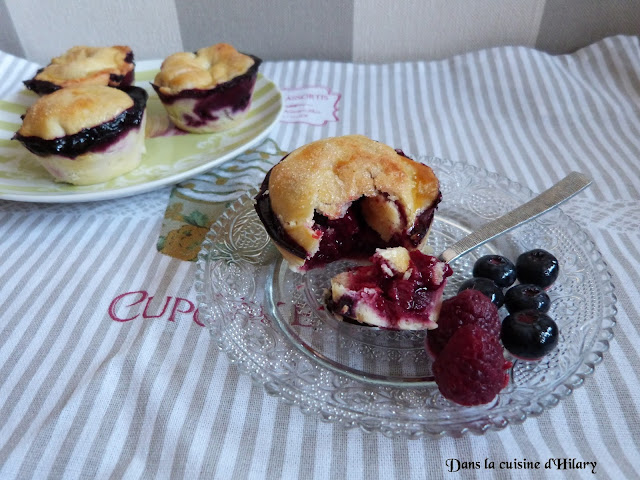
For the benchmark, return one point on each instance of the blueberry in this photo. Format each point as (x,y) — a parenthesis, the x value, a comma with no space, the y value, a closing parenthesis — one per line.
(529,334)
(486,287)
(527,296)
(538,267)
(497,268)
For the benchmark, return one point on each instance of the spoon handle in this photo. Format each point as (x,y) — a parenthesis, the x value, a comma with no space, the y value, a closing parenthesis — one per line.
(563,190)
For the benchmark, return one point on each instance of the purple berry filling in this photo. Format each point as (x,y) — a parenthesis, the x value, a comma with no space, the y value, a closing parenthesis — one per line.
(121,81)
(399,297)
(346,237)
(234,95)
(41,87)
(95,139)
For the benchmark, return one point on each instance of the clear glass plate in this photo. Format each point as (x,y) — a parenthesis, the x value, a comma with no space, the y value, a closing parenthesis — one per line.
(272,322)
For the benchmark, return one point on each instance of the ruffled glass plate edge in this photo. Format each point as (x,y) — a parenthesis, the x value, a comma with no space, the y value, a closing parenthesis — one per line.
(275,387)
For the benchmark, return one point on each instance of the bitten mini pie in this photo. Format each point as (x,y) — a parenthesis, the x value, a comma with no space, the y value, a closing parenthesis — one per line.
(400,290)
(81,65)
(209,90)
(344,197)
(86,135)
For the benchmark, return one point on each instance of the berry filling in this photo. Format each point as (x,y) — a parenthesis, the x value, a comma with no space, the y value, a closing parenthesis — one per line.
(41,87)
(121,81)
(400,290)
(346,236)
(94,139)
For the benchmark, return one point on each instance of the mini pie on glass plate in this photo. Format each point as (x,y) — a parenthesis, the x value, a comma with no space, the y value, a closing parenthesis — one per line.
(88,134)
(209,90)
(351,197)
(82,65)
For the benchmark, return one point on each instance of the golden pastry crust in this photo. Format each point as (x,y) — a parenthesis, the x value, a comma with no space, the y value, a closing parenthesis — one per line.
(328,175)
(203,70)
(82,65)
(69,110)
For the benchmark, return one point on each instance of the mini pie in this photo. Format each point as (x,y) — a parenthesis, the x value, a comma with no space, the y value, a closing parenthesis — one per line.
(86,135)
(112,66)
(400,290)
(209,90)
(343,197)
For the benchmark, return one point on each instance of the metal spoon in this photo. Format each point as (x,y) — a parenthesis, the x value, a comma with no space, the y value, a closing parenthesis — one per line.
(563,190)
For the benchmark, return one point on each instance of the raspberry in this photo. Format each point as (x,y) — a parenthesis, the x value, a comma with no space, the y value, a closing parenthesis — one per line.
(471,369)
(469,307)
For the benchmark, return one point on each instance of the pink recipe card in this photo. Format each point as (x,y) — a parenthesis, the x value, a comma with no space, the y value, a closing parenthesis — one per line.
(312,105)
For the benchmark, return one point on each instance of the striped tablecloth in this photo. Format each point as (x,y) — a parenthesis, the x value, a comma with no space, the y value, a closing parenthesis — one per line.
(88,393)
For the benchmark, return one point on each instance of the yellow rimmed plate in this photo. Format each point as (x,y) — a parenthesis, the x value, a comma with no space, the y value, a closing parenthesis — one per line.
(171,155)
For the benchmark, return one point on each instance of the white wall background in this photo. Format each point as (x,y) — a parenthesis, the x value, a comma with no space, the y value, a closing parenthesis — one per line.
(413,29)
(356,30)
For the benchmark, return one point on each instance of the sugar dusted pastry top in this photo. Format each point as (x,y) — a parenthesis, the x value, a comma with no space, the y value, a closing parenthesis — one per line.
(83,65)
(327,175)
(205,69)
(69,110)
